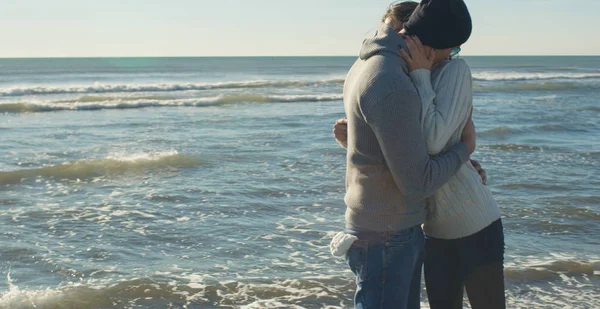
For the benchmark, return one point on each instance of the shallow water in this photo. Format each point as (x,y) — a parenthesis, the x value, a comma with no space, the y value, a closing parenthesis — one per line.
(216,183)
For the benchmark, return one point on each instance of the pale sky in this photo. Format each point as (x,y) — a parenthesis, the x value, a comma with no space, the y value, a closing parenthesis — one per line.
(109,28)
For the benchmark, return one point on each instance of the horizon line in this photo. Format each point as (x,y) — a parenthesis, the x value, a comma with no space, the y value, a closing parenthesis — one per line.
(288,56)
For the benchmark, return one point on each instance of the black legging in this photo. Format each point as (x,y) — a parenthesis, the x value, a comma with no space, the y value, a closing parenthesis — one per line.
(485,289)
(474,262)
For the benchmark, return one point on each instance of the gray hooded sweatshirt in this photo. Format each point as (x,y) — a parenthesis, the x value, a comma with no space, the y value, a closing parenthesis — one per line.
(389,174)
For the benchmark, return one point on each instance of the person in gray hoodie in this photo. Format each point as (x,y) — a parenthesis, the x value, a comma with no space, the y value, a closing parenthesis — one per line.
(389,173)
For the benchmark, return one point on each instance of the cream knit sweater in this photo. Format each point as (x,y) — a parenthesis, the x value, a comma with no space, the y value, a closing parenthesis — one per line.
(463,206)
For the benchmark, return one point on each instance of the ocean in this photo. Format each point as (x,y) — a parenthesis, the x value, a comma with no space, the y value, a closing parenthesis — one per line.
(216,182)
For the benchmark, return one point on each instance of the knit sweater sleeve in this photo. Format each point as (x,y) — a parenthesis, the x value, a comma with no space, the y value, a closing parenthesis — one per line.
(395,123)
(444,109)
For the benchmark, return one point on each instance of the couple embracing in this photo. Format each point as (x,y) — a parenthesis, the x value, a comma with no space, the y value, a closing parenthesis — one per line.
(413,196)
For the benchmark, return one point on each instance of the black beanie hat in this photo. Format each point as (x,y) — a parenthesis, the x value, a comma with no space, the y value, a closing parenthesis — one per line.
(440,24)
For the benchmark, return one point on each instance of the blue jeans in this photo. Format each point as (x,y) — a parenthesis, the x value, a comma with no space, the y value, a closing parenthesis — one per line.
(474,262)
(387,267)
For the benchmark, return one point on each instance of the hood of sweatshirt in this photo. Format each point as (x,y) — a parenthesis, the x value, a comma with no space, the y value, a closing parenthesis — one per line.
(386,40)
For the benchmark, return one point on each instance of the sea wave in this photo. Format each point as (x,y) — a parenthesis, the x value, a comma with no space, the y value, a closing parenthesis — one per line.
(88,105)
(109,166)
(533,87)
(107,98)
(253,84)
(334,292)
(549,270)
(590,108)
(100,88)
(78,296)
(503,131)
(157,293)
(500,131)
(515,147)
(516,76)
(550,187)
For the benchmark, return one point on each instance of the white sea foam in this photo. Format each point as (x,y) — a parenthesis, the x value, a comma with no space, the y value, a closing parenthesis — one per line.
(98,167)
(555,266)
(519,76)
(15,298)
(146,103)
(543,85)
(108,88)
(334,290)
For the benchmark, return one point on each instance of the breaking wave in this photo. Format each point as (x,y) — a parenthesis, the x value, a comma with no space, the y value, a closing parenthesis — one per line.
(195,293)
(533,87)
(514,76)
(333,292)
(84,169)
(89,104)
(20,91)
(552,270)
